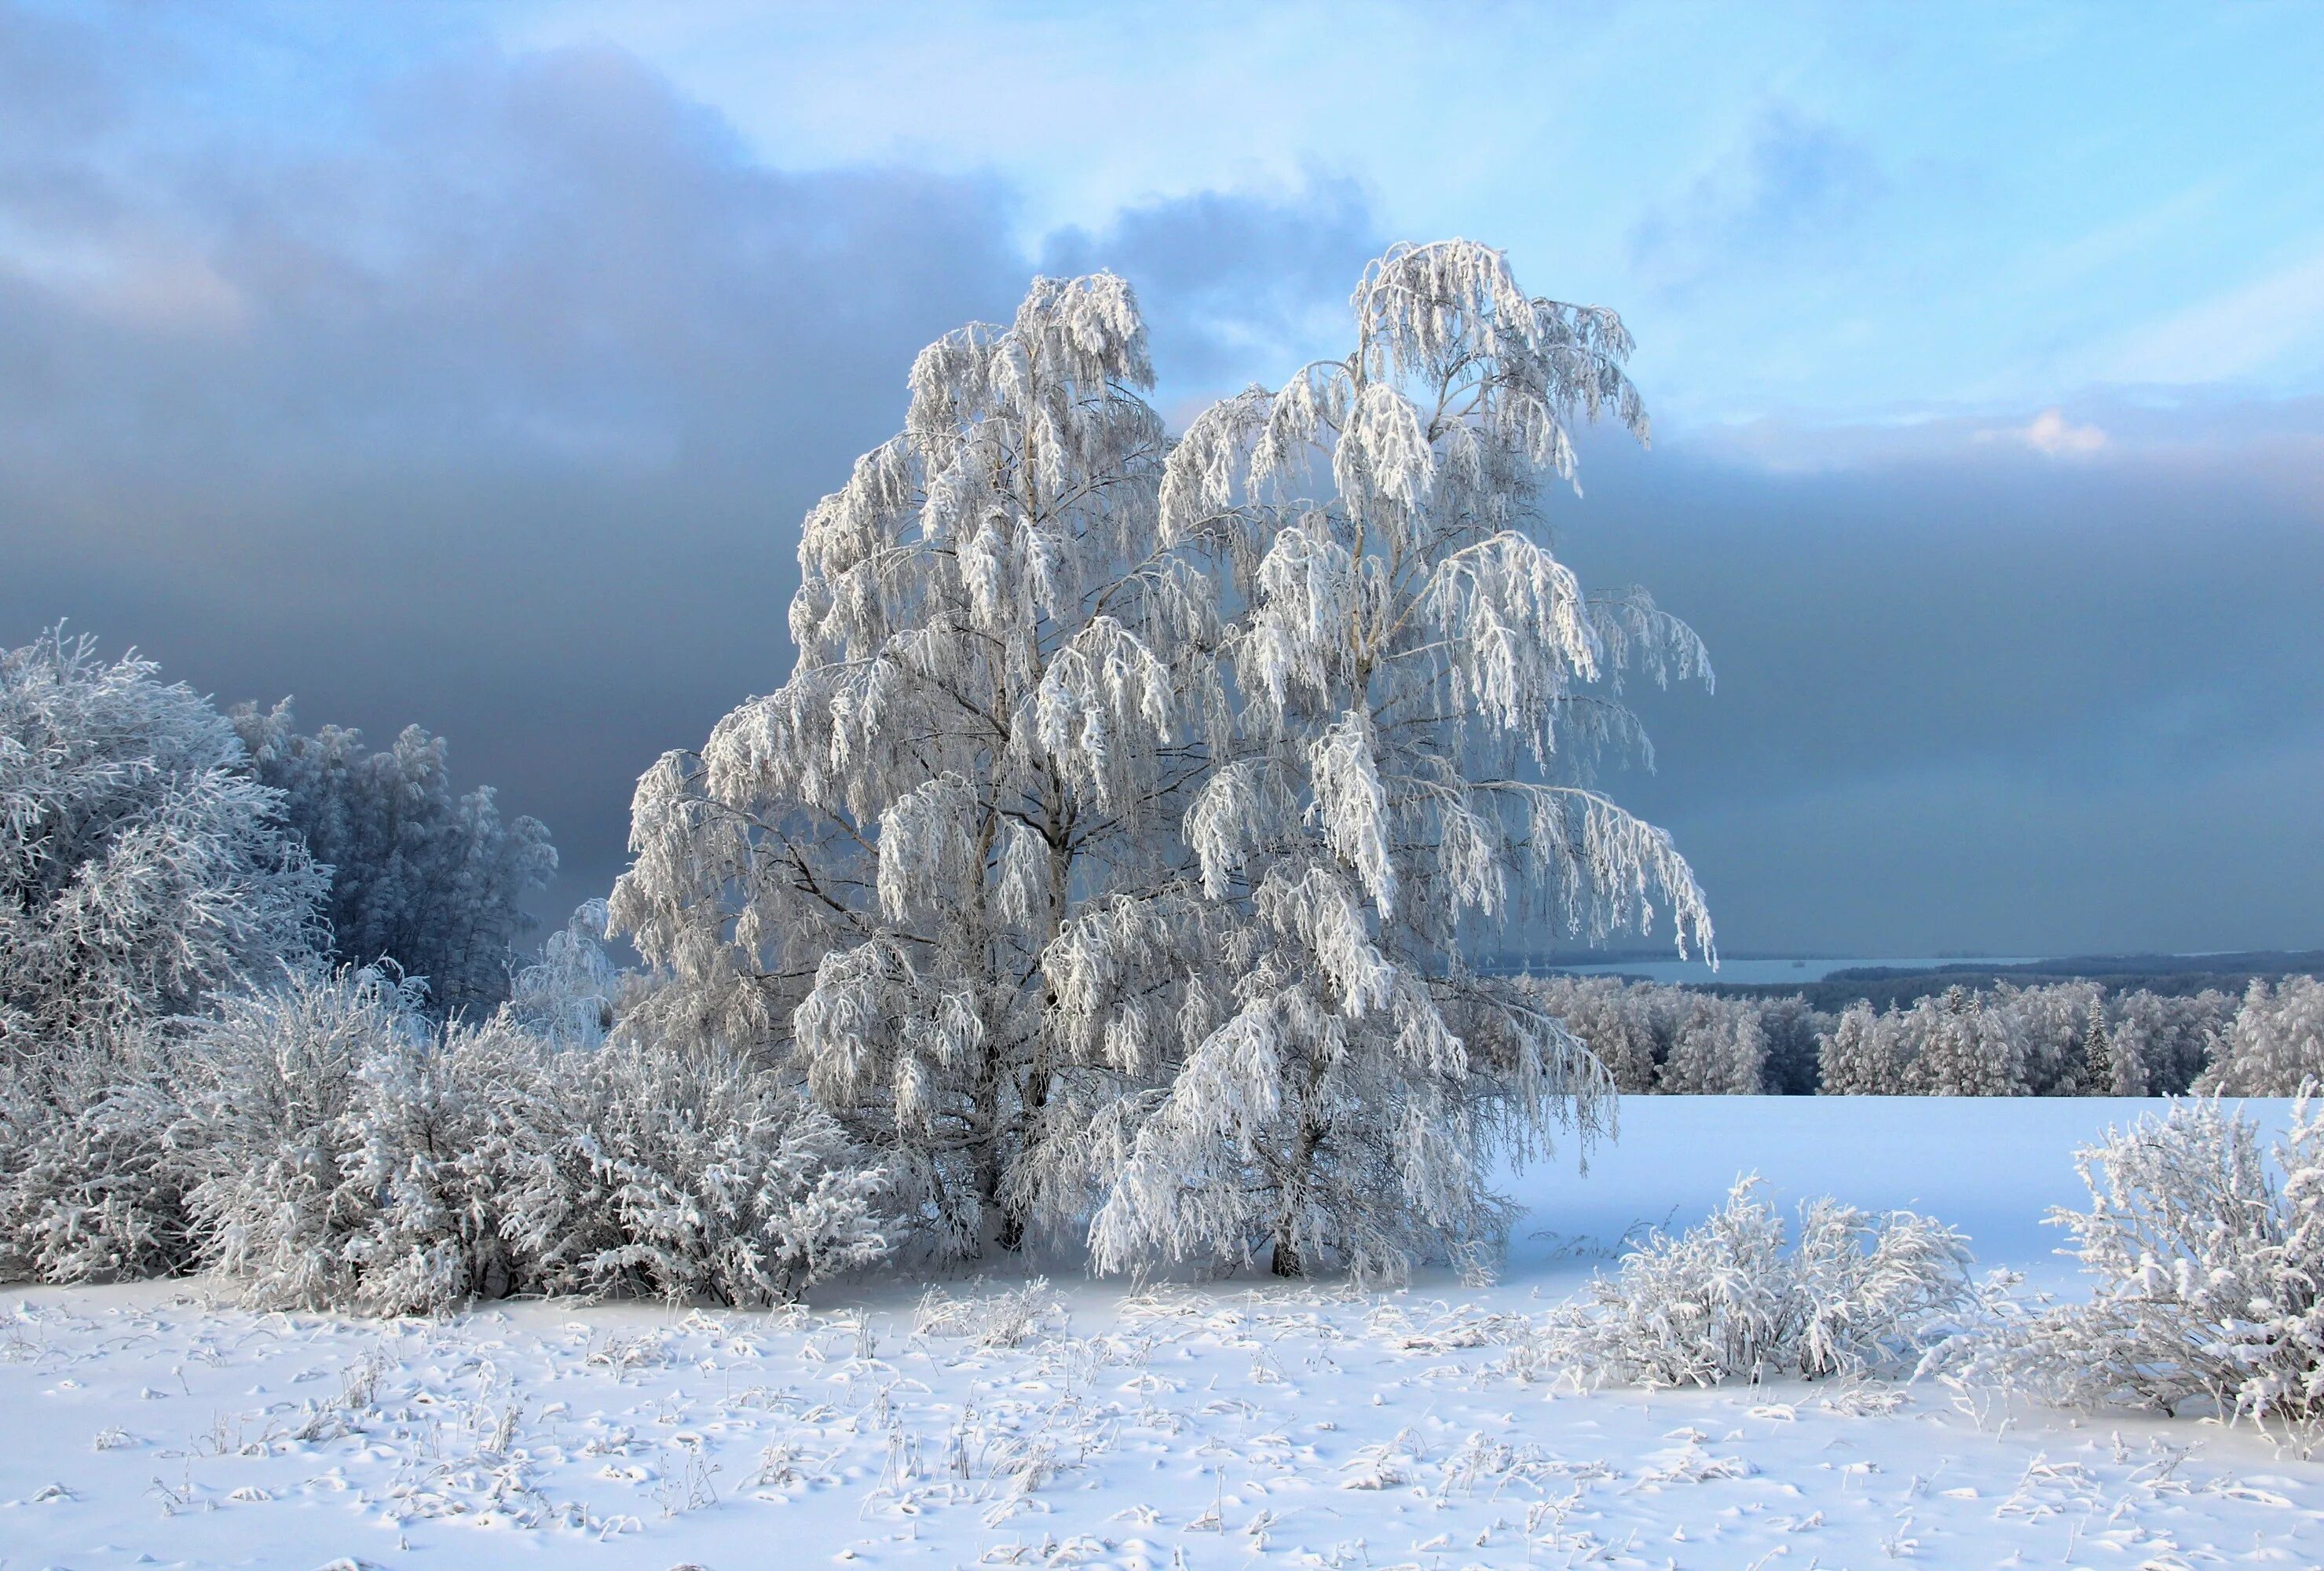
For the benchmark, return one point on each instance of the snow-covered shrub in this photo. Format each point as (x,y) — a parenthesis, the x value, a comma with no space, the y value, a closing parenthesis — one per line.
(645,1170)
(421,877)
(2209,1276)
(89,1190)
(2276,1044)
(1736,1298)
(346,1154)
(140,865)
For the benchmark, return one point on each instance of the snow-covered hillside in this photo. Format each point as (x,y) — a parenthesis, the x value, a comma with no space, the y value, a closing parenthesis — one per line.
(1002,1421)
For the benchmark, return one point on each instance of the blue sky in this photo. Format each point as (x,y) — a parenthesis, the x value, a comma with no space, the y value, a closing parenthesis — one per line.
(473,365)
(1827,212)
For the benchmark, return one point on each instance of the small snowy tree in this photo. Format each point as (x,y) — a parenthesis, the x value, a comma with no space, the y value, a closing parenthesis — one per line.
(2276,1044)
(422,878)
(2099,1076)
(569,997)
(140,864)
(1421,691)
(933,874)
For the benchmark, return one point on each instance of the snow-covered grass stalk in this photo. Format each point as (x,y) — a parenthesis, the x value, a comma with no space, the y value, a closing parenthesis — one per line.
(2209,1268)
(1737,1297)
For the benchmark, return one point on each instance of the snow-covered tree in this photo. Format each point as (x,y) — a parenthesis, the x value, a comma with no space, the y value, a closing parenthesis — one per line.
(1421,691)
(140,864)
(568,996)
(934,873)
(1721,1051)
(1961,1045)
(424,878)
(1625,1026)
(2276,1044)
(2099,1076)
(2161,1043)
(1861,1055)
(2052,1023)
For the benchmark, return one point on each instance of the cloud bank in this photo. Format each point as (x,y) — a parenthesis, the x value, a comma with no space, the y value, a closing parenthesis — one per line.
(493,398)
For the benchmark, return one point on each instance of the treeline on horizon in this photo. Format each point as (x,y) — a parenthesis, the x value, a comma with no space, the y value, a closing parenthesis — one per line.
(2075,1038)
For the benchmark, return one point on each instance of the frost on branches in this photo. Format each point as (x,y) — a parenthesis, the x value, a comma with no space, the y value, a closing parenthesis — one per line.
(1738,1298)
(2208,1293)
(1422,692)
(422,878)
(933,875)
(140,864)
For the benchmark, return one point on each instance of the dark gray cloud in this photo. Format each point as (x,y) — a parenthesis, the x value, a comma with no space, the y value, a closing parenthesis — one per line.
(1984,696)
(491,398)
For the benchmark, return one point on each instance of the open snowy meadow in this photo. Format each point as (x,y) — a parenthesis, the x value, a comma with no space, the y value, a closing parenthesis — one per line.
(1000,1419)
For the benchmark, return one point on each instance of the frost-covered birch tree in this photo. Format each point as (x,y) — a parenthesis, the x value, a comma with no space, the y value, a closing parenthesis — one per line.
(935,872)
(1422,692)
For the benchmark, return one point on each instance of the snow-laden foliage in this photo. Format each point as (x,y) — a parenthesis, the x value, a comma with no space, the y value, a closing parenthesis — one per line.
(684,1173)
(344,1153)
(933,875)
(2276,1044)
(1421,691)
(2063,1040)
(89,1190)
(422,878)
(568,997)
(327,1144)
(140,864)
(2208,1267)
(1738,1298)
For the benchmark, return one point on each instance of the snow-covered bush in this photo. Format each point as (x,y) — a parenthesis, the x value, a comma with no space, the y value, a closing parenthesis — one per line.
(2210,1277)
(1736,1298)
(140,865)
(344,1154)
(422,878)
(645,1170)
(89,1190)
(2276,1044)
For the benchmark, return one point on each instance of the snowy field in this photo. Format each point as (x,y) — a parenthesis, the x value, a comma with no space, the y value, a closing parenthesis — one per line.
(1241,1424)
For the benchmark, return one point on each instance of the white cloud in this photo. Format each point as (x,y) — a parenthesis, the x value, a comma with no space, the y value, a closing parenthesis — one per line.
(2050,432)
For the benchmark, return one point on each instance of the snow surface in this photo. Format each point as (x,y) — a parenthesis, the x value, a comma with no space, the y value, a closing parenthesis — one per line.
(1233,1424)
